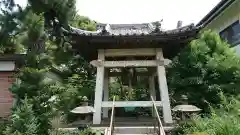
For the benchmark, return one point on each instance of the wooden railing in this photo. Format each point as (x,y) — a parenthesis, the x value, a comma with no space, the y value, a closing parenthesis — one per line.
(110,129)
(160,130)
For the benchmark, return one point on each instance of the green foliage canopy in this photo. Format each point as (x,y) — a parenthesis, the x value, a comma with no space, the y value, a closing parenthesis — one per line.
(203,69)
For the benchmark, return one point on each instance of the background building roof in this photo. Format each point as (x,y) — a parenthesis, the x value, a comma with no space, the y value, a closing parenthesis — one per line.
(218,9)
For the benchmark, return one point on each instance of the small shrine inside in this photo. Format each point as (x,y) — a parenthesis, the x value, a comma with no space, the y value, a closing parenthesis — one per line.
(131,46)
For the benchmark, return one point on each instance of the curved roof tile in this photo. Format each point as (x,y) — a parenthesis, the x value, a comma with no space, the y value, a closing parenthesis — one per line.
(131,29)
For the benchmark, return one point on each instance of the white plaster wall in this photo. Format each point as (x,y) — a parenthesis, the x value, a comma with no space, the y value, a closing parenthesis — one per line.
(237,48)
(7,65)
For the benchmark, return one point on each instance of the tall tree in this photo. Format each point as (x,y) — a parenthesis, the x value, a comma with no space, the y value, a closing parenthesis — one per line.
(39,32)
(39,21)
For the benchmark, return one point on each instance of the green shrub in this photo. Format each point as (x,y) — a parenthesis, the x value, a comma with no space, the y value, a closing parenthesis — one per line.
(76,132)
(223,121)
(217,124)
(23,121)
(3,124)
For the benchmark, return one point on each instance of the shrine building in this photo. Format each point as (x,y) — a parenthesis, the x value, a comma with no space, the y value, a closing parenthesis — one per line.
(131,46)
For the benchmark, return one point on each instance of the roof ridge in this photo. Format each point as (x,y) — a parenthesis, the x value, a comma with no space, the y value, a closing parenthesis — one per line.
(127,23)
(148,30)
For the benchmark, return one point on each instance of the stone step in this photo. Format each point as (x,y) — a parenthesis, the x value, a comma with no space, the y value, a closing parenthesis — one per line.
(127,129)
(144,130)
(138,130)
(133,130)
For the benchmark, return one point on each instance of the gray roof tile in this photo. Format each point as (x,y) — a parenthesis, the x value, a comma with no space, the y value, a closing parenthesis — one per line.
(131,29)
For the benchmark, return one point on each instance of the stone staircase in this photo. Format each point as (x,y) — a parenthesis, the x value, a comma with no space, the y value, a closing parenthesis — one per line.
(133,130)
(128,130)
(132,125)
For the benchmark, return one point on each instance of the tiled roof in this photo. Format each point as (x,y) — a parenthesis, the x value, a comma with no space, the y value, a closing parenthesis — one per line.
(123,36)
(130,29)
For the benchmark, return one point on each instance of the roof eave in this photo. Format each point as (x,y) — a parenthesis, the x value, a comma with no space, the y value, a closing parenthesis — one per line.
(12,57)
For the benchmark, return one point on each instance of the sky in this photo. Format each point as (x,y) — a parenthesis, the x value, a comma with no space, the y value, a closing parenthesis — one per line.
(144,11)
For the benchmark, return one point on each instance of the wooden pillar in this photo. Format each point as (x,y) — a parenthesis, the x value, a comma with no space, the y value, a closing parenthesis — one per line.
(167,116)
(152,91)
(106,93)
(99,90)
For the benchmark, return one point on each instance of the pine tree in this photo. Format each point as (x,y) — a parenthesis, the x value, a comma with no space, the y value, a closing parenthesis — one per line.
(39,33)
(34,85)
(23,120)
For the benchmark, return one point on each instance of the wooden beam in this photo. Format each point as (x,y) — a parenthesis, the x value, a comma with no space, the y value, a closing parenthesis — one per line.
(112,74)
(137,63)
(130,52)
(99,90)
(106,92)
(97,63)
(130,103)
(162,81)
(133,63)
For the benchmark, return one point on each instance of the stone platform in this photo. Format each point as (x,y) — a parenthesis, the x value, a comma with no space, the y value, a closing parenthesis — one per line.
(126,125)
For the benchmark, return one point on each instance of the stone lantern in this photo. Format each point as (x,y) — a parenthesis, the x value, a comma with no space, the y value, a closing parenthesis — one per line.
(86,112)
(185,109)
